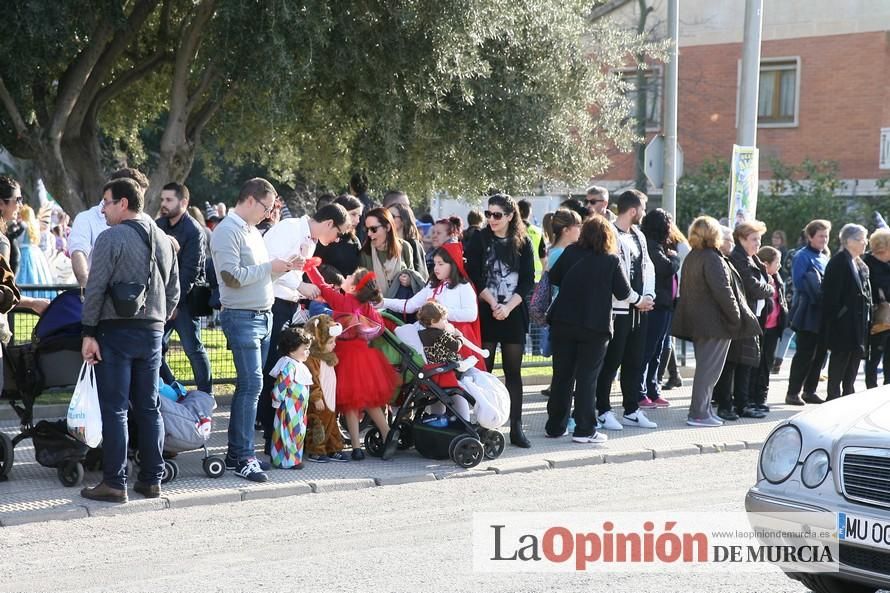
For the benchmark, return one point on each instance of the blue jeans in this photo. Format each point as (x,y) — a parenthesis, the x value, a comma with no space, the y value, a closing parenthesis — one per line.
(128,376)
(656,336)
(189,330)
(247,333)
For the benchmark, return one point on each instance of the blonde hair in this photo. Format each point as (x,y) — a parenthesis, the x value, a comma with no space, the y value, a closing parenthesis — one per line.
(705,233)
(30,223)
(747,228)
(879,242)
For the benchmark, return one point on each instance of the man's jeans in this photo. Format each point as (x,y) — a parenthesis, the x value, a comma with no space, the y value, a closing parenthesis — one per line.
(247,333)
(189,330)
(128,376)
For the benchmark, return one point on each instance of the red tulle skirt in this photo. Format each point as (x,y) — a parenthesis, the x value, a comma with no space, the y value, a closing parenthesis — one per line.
(365,379)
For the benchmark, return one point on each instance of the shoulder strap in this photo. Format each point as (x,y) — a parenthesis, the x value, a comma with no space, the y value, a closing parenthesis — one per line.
(146,236)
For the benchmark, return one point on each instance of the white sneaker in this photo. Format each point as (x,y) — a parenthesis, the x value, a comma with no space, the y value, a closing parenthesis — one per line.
(596,438)
(607,421)
(637,419)
(704,422)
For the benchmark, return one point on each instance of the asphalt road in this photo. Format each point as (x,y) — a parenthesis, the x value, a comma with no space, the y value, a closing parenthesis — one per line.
(415,537)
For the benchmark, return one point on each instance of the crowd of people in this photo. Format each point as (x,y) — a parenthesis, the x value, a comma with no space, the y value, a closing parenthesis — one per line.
(610,287)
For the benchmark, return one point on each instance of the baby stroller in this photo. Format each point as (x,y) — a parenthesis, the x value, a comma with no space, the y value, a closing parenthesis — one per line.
(465,443)
(187,425)
(51,359)
(55,447)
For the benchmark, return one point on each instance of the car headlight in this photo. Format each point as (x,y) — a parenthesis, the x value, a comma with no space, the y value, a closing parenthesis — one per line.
(780,454)
(815,468)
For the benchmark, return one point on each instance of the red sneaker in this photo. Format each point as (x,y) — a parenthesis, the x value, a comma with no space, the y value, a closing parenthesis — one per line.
(646,403)
(661,403)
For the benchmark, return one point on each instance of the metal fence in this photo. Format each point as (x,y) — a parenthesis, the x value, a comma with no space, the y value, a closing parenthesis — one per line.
(22,323)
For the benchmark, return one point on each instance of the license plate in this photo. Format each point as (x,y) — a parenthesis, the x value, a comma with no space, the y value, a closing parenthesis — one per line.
(866,531)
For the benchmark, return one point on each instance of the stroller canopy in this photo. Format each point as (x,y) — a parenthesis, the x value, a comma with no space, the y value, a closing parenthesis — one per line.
(60,320)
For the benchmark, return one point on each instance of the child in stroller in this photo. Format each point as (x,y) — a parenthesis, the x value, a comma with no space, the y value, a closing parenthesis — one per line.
(464,442)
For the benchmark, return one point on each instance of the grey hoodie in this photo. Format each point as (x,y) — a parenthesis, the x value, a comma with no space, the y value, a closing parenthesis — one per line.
(121,255)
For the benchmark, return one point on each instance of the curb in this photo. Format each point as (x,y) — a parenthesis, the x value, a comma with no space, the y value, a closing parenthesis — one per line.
(230,495)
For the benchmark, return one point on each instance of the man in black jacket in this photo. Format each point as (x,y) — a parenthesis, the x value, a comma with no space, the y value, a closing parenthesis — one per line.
(189,241)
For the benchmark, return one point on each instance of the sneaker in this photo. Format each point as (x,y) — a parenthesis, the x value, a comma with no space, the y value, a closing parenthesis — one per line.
(250,469)
(556,436)
(703,422)
(339,456)
(727,414)
(358,455)
(232,464)
(596,438)
(637,419)
(646,403)
(599,425)
(570,427)
(608,421)
(660,402)
(318,458)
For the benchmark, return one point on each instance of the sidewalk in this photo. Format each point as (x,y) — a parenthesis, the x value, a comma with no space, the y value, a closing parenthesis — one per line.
(33,493)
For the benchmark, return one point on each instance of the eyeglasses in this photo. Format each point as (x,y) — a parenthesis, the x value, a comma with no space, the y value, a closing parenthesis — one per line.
(107,203)
(267,210)
(18,199)
(595,200)
(494,215)
(373,228)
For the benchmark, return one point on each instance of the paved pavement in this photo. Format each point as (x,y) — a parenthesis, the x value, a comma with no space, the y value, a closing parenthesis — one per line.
(33,493)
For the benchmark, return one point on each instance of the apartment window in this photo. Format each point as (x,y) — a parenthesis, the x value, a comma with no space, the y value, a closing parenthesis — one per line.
(778,100)
(652,87)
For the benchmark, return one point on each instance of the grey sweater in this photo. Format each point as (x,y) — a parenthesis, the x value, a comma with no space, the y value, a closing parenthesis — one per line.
(121,255)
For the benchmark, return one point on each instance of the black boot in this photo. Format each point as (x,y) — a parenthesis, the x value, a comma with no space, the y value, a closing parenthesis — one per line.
(517,437)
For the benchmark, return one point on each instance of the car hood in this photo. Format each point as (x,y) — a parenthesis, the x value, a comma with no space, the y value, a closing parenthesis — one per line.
(862,419)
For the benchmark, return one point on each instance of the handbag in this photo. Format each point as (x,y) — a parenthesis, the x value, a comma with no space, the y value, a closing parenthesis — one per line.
(198,300)
(540,301)
(880,315)
(128,298)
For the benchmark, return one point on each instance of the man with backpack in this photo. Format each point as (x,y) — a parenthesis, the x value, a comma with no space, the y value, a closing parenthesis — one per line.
(131,291)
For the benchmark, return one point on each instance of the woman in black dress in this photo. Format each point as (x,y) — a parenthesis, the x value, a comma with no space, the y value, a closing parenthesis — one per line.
(501,264)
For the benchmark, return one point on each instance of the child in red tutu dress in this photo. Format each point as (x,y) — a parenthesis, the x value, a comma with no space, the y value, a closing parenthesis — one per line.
(365,379)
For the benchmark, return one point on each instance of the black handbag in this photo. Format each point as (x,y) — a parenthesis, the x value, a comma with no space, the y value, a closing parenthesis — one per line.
(128,298)
(199,300)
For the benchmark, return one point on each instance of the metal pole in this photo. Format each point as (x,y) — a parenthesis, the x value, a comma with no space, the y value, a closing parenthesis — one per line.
(749,92)
(669,195)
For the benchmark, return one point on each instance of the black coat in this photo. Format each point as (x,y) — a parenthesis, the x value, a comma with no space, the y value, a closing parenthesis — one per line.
(587,282)
(666,267)
(878,277)
(745,349)
(846,303)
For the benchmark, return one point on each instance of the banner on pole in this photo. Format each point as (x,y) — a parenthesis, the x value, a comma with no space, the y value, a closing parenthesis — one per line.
(744,181)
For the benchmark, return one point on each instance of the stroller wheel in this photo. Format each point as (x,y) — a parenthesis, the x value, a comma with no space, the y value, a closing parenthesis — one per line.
(493,442)
(467,451)
(214,467)
(70,473)
(7,455)
(374,442)
(170,471)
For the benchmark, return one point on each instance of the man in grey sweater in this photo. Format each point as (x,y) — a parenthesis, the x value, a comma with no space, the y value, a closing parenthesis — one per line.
(245,274)
(126,349)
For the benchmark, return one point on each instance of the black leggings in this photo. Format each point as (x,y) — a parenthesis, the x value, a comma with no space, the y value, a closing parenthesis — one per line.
(511,359)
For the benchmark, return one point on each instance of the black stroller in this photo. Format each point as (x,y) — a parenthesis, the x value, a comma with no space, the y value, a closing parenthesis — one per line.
(51,359)
(465,443)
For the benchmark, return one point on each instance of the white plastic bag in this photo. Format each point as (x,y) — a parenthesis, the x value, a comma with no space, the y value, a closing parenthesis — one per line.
(492,407)
(84,415)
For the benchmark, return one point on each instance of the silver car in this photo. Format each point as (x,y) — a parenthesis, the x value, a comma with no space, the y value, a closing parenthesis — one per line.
(835,458)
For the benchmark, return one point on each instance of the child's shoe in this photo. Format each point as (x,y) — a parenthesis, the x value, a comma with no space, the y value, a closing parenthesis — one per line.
(358,455)
(318,458)
(338,456)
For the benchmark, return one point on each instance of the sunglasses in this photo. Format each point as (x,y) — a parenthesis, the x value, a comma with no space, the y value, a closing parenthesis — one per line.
(494,215)
(373,229)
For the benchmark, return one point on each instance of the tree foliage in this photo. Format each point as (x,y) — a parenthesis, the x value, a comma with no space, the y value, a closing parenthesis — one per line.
(797,194)
(446,94)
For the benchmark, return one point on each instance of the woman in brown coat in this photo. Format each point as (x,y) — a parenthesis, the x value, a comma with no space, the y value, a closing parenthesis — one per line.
(711,311)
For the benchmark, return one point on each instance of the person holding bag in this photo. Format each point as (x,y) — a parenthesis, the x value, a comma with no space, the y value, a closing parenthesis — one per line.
(132,290)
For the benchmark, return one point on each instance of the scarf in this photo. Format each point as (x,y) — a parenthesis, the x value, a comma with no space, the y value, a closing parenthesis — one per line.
(388,270)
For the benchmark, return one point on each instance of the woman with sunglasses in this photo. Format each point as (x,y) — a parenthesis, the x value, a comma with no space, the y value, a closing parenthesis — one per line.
(343,254)
(406,229)
(500,262)
(389,257)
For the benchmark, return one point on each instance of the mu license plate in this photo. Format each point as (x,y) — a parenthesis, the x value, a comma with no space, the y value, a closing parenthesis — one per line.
(866,531)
